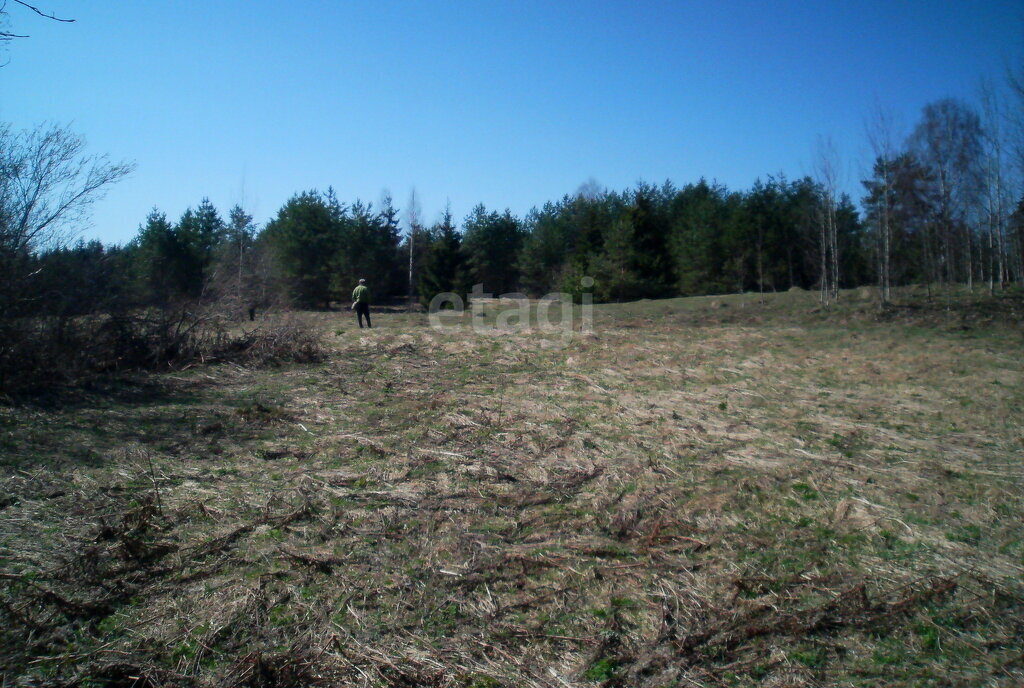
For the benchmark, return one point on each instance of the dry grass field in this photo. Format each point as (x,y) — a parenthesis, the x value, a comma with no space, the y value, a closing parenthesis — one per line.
(701,492)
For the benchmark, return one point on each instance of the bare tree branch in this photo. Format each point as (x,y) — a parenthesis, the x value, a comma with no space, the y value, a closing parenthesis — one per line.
(44,14)
(10,35)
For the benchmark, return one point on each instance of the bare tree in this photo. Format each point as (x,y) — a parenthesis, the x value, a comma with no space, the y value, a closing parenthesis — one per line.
(948,142)
(47,184)
(589,190)
(827,174)
(1014,121)
(880,131)
(995,186)
(412,217)
(1014,115)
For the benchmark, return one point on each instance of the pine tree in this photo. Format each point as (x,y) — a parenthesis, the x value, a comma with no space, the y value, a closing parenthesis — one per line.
(306,237)
(615,274)
(491,243)
(546,249)
(237,278)
(443,268)
(392,278)
(700,215)
(651,263)
(163,265)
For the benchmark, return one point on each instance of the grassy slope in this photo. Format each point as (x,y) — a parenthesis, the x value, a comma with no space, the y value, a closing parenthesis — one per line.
(704,491)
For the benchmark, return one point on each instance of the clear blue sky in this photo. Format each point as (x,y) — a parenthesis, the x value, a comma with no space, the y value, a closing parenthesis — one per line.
(506,103)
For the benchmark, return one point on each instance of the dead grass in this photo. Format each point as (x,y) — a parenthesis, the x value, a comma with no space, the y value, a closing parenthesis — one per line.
(692,495)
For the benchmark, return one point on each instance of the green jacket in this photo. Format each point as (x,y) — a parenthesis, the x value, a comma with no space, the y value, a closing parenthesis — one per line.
(361,294)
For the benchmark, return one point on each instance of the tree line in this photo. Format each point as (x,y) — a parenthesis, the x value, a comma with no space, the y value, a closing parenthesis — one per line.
(644,242)
(943,205)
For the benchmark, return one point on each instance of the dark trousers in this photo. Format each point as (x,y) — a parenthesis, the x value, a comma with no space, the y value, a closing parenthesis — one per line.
(361,310)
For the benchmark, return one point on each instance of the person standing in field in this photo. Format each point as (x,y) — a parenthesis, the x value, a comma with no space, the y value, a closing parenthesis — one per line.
(361,303)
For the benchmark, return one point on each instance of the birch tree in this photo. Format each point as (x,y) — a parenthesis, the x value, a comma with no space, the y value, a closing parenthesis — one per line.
(880,133)
(993,136)
(827,175)
(1014,126)
(412,218)
(948,141)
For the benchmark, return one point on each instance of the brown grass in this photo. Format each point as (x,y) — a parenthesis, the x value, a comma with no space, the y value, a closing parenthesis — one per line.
(692,495)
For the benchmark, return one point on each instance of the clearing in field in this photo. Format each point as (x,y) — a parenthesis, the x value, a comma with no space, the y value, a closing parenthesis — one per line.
(701,492)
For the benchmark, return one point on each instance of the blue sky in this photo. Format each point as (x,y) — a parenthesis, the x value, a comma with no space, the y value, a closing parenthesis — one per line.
(506,103)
